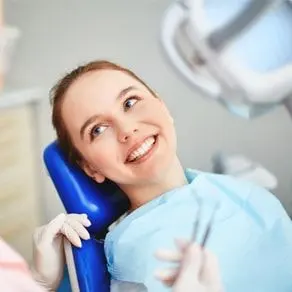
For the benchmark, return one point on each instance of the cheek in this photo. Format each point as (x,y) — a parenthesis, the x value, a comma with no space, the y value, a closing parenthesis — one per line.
(162,112)
(156,110)
(104,154)
(170,132)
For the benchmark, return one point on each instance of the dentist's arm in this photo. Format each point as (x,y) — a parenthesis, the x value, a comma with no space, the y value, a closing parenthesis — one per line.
(49,259)
(198,269)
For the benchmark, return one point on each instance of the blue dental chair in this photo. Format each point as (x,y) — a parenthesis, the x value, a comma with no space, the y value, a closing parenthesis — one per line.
(103,203)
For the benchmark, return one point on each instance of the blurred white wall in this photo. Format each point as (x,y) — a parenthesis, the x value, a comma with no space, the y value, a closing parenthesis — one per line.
(58,35)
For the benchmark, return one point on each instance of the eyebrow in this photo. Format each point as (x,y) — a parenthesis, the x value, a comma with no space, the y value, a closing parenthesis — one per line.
(94,117)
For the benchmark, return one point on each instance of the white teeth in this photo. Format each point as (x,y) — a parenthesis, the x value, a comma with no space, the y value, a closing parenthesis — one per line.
(142,150)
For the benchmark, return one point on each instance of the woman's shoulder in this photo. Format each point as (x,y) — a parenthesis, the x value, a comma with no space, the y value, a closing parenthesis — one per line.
(223,182)
(247,195)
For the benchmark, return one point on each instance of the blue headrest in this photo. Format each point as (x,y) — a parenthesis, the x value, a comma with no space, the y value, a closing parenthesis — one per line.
(103,203)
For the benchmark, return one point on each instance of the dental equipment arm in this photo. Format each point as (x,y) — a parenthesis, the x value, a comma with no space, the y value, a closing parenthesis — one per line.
(217,55)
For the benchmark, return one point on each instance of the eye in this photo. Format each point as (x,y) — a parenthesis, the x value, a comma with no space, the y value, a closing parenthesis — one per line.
(130,102)
(96,131)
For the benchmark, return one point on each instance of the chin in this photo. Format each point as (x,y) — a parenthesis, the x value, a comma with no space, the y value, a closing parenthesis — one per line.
(157,171)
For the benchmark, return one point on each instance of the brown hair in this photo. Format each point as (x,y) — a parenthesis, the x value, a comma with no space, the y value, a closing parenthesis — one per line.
(58,93)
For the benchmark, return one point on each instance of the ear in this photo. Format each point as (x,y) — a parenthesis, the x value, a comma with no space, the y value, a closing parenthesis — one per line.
(94,174)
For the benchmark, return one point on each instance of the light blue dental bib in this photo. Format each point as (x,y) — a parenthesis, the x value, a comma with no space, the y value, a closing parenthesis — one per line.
(251,235)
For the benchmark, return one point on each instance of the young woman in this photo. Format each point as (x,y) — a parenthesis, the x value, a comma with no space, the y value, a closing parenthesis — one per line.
(114,126)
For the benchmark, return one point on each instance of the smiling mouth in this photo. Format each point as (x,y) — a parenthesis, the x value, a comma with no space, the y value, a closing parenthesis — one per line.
(143,150)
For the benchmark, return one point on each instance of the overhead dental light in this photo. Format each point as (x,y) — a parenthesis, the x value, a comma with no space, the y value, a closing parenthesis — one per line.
(238,52)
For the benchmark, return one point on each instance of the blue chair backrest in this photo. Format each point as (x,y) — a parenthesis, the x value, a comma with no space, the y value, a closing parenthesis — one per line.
(103,203)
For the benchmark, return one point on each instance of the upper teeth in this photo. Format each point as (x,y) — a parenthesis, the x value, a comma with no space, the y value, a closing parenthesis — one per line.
(143,149)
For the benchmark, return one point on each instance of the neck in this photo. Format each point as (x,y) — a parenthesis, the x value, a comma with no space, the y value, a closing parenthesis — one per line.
(173,178)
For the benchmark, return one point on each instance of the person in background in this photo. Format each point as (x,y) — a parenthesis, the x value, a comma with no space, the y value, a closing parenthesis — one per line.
(14,272)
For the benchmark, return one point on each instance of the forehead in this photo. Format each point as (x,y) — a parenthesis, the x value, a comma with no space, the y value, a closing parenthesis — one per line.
(103,84)
(94,93)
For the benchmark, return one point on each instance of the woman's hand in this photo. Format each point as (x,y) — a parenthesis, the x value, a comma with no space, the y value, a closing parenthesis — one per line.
(49,261)
(198,269)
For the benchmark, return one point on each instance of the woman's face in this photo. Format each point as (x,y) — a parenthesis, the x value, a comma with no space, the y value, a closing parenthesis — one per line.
(123,132)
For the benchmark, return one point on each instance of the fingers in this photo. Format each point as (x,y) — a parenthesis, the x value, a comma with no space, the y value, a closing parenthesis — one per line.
(72,226)
(193,259)
(182,244)
(78,228)
(167,276)
(71,235)
(189,258)
(196,266)
(173,256)
(210,269)
(81,218)
(188,278)
(53,228)
(168,255)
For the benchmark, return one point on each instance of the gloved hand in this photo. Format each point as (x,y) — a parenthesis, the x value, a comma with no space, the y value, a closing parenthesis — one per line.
(49,259)
(198,269)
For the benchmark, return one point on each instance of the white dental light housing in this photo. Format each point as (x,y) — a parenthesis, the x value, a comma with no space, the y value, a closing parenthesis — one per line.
(173,19)
(238,52)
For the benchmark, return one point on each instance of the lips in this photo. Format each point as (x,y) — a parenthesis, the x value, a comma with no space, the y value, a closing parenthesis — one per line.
(141,150)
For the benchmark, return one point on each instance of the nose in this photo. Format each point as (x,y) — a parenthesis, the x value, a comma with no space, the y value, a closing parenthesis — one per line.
(127,133)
